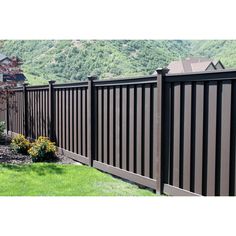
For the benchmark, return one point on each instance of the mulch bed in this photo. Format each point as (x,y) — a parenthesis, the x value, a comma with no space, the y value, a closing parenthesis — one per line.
(10,157)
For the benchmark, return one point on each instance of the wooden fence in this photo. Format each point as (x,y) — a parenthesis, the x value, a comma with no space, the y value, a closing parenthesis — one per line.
(173,133)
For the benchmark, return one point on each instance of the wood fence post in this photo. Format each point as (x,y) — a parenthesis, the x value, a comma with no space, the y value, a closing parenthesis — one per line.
(160,75)
(51,114)
(25,111)
(91,119)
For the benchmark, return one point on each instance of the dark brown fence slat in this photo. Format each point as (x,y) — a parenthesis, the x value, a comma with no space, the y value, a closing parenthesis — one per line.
(43,113)
(211,151)
(176,135)
(60,118)
(139,130)
(80,121)
(64,118)
(32,115)
(225,138)
(132,129)
(147,130)
(187,135)
(111,126)
(56,115)
(199,137)
(100,123)
(118,125)
(167,162)
(15,114)
(233,141)
(37,113)
(75,124)
(154,151)
(124,128)
(68,119)
(71,105)
(47,113)
(105,125)
(84,137)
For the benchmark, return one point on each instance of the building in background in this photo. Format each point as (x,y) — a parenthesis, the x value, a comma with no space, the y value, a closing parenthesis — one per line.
(194,64)
(17,77)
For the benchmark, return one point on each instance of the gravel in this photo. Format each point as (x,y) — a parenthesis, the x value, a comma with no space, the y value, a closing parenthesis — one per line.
(9,156)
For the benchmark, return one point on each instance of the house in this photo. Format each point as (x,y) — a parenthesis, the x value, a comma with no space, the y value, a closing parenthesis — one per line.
(19,78)
(194,64)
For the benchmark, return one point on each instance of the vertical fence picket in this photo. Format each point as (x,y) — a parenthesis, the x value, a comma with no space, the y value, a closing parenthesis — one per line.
(225,138)
(187,136)
(111,126)
(199,137)
(132,129)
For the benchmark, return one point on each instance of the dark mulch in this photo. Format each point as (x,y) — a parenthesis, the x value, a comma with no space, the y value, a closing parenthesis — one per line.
(9,156)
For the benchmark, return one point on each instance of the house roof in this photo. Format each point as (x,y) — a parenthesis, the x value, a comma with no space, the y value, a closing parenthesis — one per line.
(17,77)
(193,64)
(2,57)
(201,66)
(219,62)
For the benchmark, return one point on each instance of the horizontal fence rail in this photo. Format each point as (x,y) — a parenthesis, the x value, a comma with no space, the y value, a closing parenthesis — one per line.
(175,133)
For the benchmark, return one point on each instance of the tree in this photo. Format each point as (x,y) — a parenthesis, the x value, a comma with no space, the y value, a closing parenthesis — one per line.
(8,71)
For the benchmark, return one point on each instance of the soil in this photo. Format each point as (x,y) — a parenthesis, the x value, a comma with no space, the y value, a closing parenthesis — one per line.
(9,156)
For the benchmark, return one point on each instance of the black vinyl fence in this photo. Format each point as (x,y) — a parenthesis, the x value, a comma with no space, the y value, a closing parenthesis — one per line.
(173,133)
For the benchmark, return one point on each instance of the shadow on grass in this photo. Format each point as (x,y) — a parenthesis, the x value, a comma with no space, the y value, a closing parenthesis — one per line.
(39,169)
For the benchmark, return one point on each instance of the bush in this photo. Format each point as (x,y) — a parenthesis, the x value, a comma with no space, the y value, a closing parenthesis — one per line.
(42,150)
(20,144)
(2,127)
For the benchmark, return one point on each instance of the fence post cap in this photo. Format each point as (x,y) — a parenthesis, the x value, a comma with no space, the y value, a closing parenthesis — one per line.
(92,77)
(25,84)
(162,71)
(51,81)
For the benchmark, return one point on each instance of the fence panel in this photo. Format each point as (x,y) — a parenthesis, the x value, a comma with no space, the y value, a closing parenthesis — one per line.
(202,150)
(126,127)
(38,111)
(70,117)
(15,101)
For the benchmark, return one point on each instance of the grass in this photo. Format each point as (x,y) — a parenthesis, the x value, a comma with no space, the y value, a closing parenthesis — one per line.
(44,179)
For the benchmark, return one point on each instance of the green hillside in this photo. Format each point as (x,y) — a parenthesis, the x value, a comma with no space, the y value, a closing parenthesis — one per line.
(225,50)
(73,60)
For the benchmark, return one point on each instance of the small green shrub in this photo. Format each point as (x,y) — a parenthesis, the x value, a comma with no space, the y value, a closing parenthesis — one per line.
(20,144)
(2,127)
(42,150)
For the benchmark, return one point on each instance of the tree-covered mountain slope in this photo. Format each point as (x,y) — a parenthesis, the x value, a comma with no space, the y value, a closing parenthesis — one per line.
(70,60)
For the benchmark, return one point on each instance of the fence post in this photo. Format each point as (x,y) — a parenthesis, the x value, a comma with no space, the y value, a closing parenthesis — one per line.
(7,113)
(91,119)
(160,75)
(51,114)
(25,112)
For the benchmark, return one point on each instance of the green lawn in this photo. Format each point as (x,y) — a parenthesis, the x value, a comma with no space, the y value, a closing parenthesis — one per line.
(43,179)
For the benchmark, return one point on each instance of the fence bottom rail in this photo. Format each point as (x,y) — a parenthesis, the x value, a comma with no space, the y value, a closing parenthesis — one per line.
(142,180)
(175,191)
